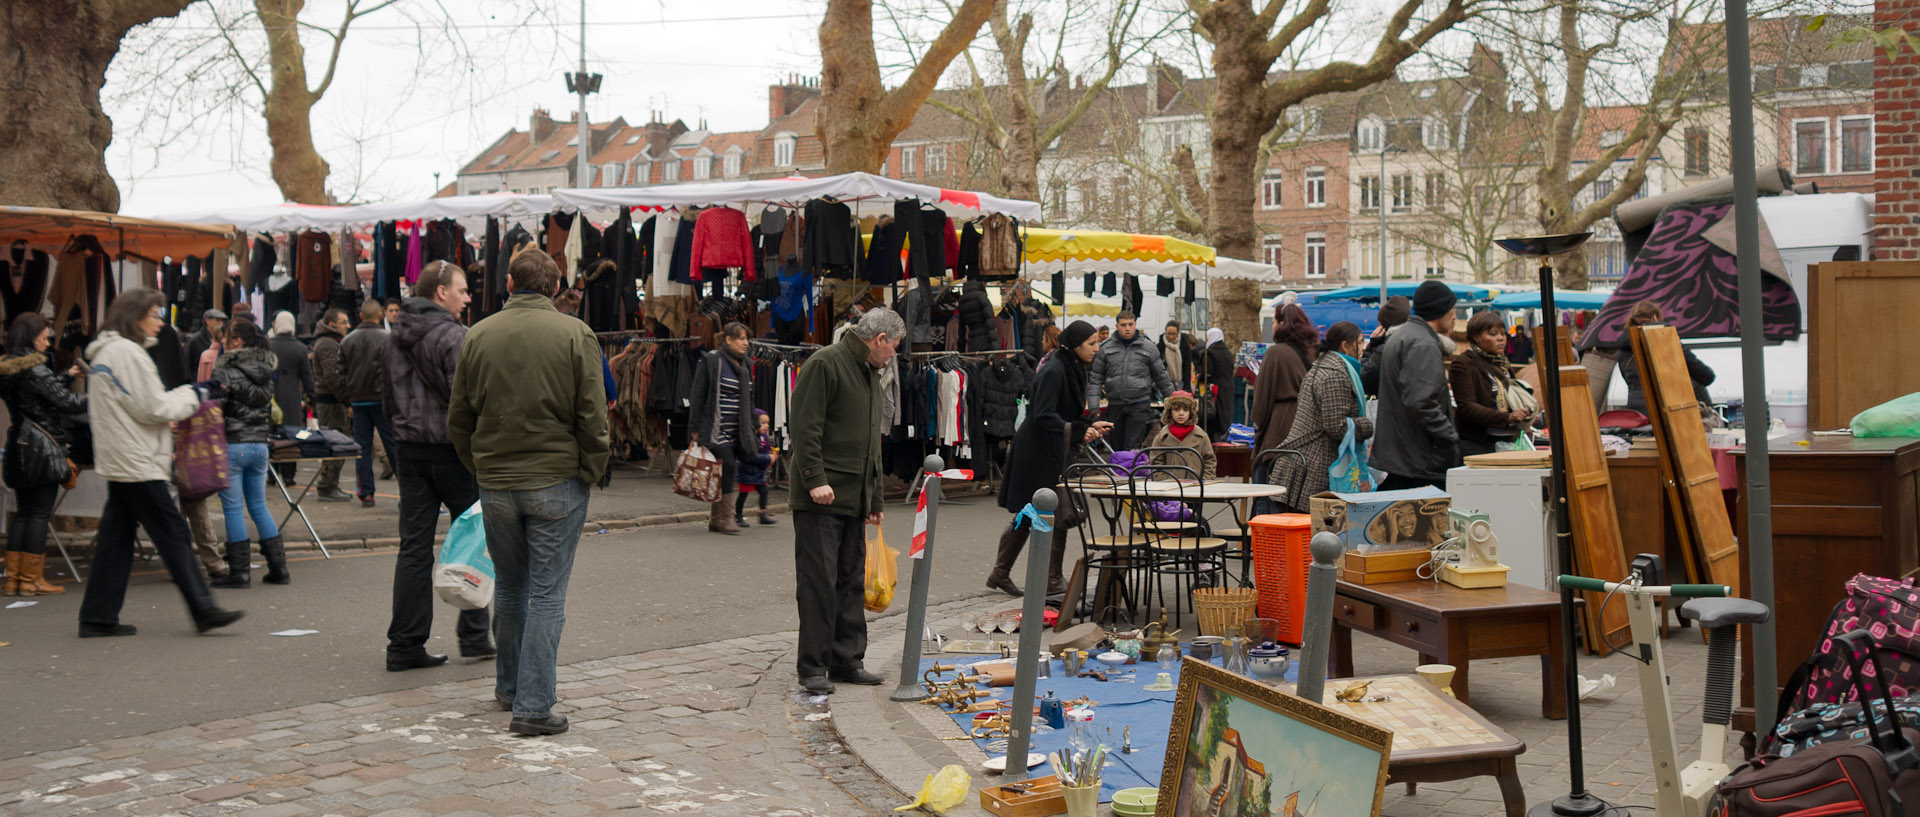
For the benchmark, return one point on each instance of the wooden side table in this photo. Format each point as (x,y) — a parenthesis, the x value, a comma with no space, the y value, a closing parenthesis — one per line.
(1449,625)
(1436,738)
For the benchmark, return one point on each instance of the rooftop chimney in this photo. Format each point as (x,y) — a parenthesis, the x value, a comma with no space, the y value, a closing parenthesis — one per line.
(1167,81)
(539,127)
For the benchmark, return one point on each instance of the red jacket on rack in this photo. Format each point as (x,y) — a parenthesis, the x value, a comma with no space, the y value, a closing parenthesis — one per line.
(722,239)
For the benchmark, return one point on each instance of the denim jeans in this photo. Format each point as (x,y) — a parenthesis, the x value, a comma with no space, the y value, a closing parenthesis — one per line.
(367,418)
(531,536)
(426,485)
(247,476)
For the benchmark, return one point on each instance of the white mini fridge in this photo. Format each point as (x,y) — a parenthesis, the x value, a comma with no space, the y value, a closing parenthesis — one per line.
(1515,500)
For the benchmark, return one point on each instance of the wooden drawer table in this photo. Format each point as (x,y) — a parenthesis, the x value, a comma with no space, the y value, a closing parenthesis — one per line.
(1449,625)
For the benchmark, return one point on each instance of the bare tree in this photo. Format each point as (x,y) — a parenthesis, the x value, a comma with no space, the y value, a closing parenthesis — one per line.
(53,130)
(859,117)
(1250,101)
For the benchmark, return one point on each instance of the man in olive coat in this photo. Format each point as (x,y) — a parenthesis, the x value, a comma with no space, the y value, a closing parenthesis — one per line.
(834,457)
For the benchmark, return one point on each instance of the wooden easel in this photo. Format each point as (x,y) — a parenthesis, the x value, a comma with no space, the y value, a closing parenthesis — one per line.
(1686,462)
(1597,552)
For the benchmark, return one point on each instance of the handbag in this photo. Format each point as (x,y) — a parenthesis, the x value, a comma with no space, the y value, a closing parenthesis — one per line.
(1874,777)
(200,452)
(697,475)
(39,459)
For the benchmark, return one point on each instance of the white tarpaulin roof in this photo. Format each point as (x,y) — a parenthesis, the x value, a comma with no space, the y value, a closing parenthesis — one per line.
(1224,267)
(470,211)
(851,188)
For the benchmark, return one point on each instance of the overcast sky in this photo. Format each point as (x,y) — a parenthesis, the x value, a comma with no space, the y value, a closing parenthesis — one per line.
(393,131)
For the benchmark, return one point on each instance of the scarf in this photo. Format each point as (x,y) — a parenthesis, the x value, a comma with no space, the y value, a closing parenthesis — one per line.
(1502,371)
(1353,372)
(1180,432)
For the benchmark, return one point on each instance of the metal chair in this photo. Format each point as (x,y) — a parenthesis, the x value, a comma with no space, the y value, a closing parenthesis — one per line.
(1178,553)
(1115,557)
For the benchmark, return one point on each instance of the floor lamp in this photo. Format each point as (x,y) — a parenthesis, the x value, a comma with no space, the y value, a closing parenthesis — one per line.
(1577,802)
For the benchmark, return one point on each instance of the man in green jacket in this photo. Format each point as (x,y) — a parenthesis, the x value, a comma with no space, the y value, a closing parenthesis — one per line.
(834,457)
(528,416)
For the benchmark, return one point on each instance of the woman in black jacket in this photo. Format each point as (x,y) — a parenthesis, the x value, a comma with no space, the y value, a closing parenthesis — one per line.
(720,410)
(1056,421)
(245,372)
(33,394)
(1215,371)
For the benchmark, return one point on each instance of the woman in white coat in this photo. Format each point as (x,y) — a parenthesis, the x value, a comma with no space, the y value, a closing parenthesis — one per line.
(133,451)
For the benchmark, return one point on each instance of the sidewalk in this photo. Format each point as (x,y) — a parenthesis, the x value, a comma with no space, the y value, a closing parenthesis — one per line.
(901,742)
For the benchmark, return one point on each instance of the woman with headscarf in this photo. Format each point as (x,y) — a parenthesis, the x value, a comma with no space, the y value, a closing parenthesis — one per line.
(1215,370)
(1295,341)
(1056,422)
(1330,395)
(721,411)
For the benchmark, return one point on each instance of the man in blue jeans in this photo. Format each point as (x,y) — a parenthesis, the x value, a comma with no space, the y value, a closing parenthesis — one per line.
(528,416)
(360,357)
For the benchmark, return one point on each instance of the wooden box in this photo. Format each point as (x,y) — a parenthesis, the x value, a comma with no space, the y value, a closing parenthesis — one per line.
(1041,798)
(1380,568)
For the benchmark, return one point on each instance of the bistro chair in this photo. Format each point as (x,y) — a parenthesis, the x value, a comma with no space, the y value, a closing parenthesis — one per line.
(1183,555)
(1113,558)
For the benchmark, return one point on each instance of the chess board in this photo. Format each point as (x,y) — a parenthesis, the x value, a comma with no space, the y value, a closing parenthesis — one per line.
(1422,718)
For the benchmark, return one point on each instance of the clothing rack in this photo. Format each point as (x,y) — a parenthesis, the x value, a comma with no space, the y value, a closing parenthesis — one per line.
(801,347)
(981,353)
(639,334)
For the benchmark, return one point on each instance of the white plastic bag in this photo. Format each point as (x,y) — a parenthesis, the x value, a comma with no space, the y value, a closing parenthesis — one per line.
(464,576)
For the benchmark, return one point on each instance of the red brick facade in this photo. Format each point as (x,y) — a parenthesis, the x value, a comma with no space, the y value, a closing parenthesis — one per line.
(1896,93)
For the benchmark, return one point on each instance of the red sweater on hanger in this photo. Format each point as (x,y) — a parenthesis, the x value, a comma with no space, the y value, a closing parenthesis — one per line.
(722,239)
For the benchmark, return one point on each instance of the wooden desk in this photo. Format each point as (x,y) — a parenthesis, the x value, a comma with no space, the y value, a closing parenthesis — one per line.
(1436,738)
(1449,625)
(1841,506)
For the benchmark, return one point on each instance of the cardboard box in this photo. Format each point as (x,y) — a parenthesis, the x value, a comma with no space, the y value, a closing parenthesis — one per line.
(1414,519)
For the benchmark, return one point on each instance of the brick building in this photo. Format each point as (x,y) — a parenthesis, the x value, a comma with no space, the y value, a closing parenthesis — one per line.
(1896,93)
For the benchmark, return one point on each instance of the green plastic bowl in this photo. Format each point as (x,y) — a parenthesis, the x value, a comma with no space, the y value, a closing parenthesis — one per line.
(1136,802)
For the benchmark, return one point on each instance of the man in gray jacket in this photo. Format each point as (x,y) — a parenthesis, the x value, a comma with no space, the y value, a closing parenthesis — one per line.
(1414,437)
(1130,373)
(417,365)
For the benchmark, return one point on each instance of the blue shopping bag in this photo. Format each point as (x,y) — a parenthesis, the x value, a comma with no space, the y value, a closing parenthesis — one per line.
(464,577)
(1349,472)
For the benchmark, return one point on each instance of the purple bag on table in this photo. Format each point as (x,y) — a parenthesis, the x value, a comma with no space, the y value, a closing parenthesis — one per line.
(1128,463)
(200,452)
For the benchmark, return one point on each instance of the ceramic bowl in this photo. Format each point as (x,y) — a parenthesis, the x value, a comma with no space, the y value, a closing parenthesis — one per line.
(1113,658)
(1137,801)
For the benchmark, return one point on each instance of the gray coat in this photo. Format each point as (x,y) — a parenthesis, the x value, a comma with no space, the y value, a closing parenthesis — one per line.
(1127,371)
(1416,433)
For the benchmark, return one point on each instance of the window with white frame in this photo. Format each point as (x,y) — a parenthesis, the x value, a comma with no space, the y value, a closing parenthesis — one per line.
(1436,263)
(1315,255)
(731,164)
(610,174)
(1369,192)
(703,168)
(643,173)
(1400,257)
(908,158)
(1402,193)
(672,171)
(1856,144)
(936,160)
(1699,154)
(783,149)
(1316,186)
(1271,248)
(1271,185)
(1371,134)
(1367,260)
(1810,146)
(1436,191)
(1433,133)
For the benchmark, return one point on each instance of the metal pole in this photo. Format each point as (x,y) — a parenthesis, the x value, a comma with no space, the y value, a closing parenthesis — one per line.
(1577,802)
(909,689)
(1746,223)
(1380,198)
(580,87)
(1321,577)
(1026,669)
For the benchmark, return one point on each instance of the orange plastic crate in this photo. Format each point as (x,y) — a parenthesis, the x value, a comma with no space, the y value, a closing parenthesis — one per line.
(1280,562)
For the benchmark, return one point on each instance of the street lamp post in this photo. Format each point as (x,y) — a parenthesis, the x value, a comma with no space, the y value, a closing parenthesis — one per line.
(1380,193)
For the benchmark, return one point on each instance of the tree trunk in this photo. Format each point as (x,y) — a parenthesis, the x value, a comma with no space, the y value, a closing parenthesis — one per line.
(53,131)
(858,116)
(1239,122)
(297,166)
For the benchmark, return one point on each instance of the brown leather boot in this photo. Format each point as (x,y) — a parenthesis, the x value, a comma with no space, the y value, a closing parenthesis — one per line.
(33,576)
(1001,579)
(12,587)
(1055,584)
(722,519)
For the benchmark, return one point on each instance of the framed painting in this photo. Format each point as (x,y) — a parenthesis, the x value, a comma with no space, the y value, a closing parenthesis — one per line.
(1241,748)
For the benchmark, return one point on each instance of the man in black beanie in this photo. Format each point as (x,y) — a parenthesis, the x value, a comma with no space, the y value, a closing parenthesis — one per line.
(1393,314)
(1415,439)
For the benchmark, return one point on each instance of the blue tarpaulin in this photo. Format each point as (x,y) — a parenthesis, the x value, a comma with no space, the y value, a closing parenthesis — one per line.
(1371,292)
(1562,299)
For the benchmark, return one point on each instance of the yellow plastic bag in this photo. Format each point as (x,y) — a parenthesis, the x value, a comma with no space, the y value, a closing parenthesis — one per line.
(882,572)
(942,791)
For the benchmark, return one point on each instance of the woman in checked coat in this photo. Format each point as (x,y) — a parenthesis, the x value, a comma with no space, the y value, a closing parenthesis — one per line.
(1328,398)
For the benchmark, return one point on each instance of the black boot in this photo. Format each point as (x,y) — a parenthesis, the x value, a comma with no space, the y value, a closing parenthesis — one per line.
(275,552)
(239,564)
(1001,578)
(1056,586)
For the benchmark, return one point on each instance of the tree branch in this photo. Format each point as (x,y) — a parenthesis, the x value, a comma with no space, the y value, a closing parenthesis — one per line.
(952,40)
(333,57)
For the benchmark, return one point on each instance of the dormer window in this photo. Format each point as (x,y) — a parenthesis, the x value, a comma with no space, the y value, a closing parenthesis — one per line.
(784,145)
(1371,133)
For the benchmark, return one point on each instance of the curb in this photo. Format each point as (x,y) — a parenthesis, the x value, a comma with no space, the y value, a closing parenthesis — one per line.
(591,527)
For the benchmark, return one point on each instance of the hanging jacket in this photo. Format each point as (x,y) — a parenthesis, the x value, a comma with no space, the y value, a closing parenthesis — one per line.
(132,414)
(247,402)
(976,315)
(1000,247)
(1002,384)
(722,240)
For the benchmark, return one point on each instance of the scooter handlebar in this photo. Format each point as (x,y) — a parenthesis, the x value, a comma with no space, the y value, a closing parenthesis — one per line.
(1679,590)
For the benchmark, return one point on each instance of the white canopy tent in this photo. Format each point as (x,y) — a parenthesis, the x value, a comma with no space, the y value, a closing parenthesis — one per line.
(1224,267)
(471,212)
(854,189)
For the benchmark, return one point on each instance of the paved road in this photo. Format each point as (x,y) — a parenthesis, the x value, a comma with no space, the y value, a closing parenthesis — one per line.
(632,592)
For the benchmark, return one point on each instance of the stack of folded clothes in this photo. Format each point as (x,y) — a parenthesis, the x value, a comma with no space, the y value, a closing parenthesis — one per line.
(316,442)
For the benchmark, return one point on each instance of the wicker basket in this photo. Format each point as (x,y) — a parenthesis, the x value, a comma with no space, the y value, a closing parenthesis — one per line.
(1223,607)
